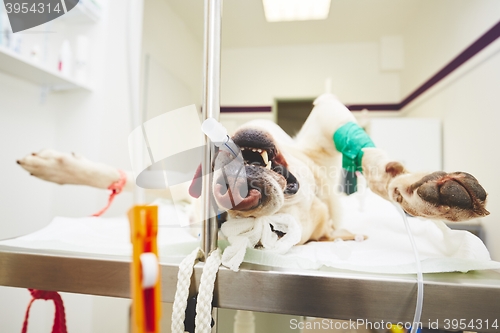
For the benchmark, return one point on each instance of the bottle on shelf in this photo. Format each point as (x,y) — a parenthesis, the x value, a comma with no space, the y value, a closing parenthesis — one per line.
(65,59)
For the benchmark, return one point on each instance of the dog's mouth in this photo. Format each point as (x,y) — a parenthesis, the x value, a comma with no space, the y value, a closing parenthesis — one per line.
(260,182)
(270,159)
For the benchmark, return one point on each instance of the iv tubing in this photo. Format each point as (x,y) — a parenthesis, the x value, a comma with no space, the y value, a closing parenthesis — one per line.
(420,277)
(232,151)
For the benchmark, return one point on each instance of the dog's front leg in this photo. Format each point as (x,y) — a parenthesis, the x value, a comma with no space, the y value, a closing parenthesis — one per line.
(62,168)
(454,196)
(74,169)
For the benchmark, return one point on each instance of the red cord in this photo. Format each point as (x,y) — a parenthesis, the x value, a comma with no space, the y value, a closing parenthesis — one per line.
(116,189)
(59,318)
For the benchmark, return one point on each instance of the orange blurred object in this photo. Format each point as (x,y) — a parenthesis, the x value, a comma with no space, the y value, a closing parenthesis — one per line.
(145,272)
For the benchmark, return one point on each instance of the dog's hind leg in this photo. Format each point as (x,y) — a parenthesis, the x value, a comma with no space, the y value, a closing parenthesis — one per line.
(316,135)
(453,197)
(315,140)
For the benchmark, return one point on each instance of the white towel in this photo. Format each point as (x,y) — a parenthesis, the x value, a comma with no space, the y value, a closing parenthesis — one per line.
(387,248)
(248,232)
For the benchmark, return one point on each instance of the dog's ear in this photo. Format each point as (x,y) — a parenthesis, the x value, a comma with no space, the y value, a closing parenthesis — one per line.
(196,184)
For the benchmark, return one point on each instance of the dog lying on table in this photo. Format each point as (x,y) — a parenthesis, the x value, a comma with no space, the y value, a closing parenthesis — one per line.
(299,176)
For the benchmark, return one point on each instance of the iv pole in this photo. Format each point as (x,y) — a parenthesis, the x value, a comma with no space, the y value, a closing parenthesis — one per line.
(211,108)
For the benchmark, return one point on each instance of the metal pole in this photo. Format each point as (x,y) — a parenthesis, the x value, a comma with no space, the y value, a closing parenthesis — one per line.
(211,108)
(133,54)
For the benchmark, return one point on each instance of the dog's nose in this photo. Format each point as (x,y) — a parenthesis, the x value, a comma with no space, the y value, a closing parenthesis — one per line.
(235,194)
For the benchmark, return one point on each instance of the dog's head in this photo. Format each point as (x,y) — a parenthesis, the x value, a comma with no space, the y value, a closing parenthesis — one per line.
(265,183)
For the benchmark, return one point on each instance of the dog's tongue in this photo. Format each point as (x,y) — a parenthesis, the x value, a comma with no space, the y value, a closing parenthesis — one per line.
(232,199)
(196,184)
(250,202)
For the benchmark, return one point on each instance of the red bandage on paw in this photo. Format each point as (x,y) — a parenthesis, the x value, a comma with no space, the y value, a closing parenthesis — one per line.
(116,189)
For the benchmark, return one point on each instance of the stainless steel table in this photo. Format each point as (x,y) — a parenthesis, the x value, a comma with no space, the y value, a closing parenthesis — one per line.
(327,294)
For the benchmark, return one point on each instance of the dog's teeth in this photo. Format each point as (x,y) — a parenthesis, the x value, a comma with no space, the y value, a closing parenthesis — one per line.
(254,150)
(268,166)
(259,150)
(265,158)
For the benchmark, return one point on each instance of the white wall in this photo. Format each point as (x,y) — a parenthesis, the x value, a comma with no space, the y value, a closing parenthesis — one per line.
(256,76)
(438,32)
(175,75)
(466,102)
(24,120)
(419,152)
(260,75)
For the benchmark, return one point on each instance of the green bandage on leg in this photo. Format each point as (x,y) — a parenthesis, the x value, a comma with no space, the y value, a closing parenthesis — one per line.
(350,139)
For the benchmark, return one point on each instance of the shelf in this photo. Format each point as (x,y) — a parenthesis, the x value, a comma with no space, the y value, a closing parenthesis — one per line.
(13,64)
(337,295)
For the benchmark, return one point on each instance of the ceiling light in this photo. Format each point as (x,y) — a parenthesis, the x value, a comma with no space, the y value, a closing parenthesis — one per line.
(296,10)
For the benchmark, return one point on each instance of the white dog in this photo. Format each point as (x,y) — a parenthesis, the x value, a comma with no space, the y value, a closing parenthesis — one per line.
(299,176)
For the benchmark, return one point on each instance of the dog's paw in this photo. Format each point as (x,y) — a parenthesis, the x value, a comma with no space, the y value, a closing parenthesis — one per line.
(456,196)
(54,166)
(63,168)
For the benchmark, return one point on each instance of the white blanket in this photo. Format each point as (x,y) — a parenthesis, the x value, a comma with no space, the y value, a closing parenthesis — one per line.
(387,249)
